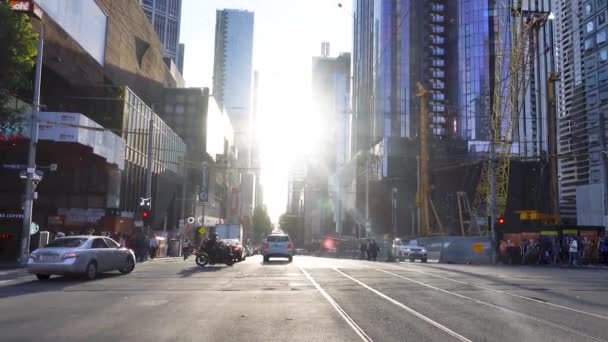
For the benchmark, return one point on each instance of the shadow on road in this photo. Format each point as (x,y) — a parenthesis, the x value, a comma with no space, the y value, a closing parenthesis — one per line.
(533,288)
(188,272)
(277,262)
(54,284)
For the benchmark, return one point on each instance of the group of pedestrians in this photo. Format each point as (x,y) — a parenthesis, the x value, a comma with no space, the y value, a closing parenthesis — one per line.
(566,249)
(145,246)
(369,250)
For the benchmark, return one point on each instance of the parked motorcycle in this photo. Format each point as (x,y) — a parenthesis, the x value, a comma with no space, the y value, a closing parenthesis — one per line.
(214,253)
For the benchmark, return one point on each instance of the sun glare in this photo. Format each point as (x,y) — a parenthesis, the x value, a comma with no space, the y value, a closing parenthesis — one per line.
(288,130)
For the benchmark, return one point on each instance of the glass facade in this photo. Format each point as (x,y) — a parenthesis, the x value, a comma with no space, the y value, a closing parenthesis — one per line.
(165,16)
(595,70)
(233,70)
(168,150)
(473,69)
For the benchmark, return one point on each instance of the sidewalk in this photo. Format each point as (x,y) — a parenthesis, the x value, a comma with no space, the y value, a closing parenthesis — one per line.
(9,274)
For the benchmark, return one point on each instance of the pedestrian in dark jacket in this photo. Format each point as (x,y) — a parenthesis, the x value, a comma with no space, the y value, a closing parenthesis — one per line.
(363,250)
(373,250)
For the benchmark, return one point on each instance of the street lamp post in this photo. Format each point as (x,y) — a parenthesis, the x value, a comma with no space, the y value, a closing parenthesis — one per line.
(34,11)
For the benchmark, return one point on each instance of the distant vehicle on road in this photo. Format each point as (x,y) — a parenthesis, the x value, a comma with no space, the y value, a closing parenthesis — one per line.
(82,255)
(237,248)
(277,245)
(229,231)
(409,250)
(301,251)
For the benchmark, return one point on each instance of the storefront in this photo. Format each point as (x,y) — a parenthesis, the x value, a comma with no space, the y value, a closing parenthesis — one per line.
(10,233)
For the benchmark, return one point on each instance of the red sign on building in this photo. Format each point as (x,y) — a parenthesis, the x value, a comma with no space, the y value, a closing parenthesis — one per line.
(26,6)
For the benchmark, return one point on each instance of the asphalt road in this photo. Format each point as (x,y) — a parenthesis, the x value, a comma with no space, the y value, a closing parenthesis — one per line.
(311,299)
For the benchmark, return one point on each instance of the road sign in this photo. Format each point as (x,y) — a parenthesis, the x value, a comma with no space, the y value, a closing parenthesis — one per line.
(138,223)
(478,247)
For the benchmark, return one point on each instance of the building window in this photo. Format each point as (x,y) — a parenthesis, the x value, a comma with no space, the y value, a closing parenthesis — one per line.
(604,95)
(159,26)
(601,37)
(588,9)
(602,75)
(438,29)
(161,5)
(602,55)
(589,43)
(601,3)
(601,19)
(174,8)
(589,27)
(591,80)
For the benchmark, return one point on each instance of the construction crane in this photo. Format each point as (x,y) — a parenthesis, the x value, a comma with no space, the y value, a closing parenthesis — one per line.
(423,198)
(513,59)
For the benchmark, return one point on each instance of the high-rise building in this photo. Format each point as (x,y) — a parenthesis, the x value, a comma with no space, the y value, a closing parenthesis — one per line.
(165,16)
(232,89)
(232,69)
(180,58)
(331,96)
(582,60)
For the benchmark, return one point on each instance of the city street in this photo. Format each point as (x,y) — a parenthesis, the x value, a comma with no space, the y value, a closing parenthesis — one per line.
(311,299)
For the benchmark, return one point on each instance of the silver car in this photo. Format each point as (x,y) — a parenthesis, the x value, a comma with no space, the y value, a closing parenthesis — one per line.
(86,255)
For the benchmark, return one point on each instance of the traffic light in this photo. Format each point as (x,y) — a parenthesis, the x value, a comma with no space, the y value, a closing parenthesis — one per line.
(146,216)
(500,221)
(145,206)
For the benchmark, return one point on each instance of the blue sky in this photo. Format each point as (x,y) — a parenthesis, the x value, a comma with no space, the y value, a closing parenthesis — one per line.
(288,33)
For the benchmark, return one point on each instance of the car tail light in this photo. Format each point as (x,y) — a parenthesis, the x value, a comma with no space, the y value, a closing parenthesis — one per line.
(265,246)
(70,255)
(289,245)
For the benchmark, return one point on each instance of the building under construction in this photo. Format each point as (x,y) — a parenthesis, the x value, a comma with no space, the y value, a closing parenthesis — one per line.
(484,69)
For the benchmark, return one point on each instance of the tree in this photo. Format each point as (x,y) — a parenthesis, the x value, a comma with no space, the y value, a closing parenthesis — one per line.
(18,50)
(262,226)
(294,226)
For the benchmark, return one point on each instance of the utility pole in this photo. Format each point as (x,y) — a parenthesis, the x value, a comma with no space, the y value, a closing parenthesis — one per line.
(149,166)
(150,156)
(31,157)
(552,136)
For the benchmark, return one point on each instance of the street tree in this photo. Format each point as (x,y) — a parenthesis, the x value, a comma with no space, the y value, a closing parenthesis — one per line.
(262,226)
(293,225)
(18,49)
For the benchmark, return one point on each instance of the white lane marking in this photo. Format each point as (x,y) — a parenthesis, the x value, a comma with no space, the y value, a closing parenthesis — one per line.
(510,294)
(406,308)
(345,316)
(540,320)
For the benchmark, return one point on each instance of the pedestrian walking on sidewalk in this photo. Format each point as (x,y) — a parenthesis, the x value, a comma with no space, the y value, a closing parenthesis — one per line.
(153,246)
(604,250)
(373,250)
(573,252)
(363,249)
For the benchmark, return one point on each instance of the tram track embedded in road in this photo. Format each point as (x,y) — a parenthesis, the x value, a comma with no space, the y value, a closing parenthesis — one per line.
(535,300)
(477,301)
